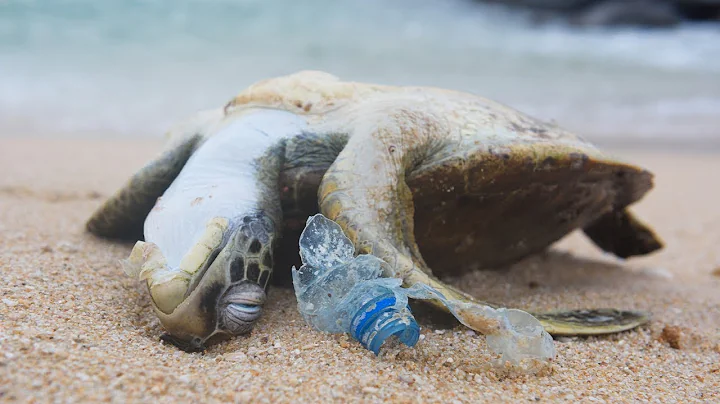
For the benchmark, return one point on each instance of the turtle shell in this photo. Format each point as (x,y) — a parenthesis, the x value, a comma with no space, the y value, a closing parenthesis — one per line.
(496,207)
(491,206)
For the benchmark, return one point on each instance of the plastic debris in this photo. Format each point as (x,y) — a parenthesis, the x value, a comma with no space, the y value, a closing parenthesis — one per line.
(338,292)
(517,336)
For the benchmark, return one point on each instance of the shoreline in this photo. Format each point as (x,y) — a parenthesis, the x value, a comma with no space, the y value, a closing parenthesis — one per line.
(629,143)
(74,327)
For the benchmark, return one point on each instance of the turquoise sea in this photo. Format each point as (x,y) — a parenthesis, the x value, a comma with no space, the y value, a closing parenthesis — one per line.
(131,68)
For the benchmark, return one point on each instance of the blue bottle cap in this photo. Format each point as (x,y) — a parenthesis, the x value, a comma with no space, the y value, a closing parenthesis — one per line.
(378,320)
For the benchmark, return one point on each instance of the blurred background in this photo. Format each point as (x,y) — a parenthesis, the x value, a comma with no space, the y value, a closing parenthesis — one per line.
(626,72)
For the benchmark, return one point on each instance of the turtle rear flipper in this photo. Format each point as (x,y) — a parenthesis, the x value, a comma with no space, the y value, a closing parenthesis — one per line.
(621,233)
(123,215)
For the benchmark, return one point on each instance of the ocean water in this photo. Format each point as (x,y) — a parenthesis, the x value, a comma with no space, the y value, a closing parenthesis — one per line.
(132,68)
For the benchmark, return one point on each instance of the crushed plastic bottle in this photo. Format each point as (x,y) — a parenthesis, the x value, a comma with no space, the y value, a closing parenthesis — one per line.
(338,292)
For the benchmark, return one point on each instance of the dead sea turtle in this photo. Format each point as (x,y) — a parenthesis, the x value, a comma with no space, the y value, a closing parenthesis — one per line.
(419,177)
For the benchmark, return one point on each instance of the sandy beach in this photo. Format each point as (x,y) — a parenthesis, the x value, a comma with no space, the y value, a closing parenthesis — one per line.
(74,327)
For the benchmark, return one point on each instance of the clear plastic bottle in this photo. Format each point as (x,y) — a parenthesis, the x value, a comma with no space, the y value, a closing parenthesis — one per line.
(338,292)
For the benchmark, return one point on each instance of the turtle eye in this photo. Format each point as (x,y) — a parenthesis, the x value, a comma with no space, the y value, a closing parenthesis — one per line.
(239,318)
(240,307)
(243,311)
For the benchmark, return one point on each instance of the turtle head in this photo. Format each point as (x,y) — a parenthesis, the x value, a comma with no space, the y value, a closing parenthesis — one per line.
(225,295)
(213,312)
(224,298)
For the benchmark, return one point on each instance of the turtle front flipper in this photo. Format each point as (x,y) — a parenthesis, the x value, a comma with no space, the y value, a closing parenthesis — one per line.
(558,323)
(122,216)
(621,233)
(364,191)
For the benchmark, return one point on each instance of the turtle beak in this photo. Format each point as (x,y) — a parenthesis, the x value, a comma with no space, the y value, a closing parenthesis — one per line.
(194,345)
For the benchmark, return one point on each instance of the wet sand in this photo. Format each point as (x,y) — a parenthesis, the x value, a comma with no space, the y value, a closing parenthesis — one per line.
(73,327)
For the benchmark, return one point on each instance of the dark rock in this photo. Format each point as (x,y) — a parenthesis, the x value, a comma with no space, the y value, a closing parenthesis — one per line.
(563,5)
(699,10)
(646,13)
(642,13)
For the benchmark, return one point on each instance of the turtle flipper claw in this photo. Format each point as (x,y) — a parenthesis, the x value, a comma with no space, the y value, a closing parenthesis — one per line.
(591,321)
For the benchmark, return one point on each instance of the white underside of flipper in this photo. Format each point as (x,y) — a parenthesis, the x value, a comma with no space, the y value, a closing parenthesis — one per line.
(218,181)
